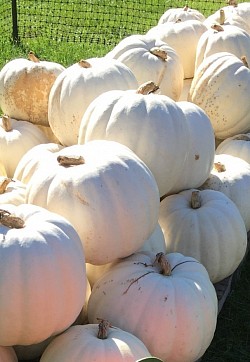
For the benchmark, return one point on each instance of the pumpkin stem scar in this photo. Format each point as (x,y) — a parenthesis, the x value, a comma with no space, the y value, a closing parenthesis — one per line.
(70,161)
(137,279)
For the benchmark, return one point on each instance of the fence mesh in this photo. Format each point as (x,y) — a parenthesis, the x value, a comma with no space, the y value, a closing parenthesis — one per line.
(103,21)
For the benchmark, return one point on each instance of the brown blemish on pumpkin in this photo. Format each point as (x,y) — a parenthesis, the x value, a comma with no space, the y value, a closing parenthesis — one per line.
(196,157)
(29,94)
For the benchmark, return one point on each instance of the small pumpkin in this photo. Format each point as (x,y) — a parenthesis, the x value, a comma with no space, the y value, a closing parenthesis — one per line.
(12,191)
(185,13)
(95,343)
(170,293)
(238,146)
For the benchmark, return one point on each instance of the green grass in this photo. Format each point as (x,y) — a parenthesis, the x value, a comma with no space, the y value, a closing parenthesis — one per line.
(231,342)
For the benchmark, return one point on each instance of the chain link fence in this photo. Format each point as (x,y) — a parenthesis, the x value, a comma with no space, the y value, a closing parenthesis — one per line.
(104,21)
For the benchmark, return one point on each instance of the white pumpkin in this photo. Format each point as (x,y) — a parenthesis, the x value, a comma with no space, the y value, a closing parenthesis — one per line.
(238,146)
(95,343)
(25,85)
(77,86)
(206,225)
(220,87)
(220,38)
(149,58)
(184,14)
(43,275)
(107,193)
(183,37)
(16,138)
(231,175)
(167,301)
(223,17)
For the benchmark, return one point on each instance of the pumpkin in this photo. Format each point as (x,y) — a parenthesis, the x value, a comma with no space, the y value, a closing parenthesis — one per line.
(16,138)
(95,343)
(220,38)
(206,225)
(106,192)
(166,300)
(209,92)
(77,86)
(151,59)
(30,160)
(163,125)
(183,37)
(25,85)
(184,14)
(12,191)
(238,146)
(231,175)
(223,17)
(43,274)
(7,354)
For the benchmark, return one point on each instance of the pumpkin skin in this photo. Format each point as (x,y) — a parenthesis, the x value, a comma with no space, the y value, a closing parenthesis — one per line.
(80,344)
(24,89)
(238,146)
(155,244)
(183,37)
(206,225)
(77,86)
(16,138)
(7,354)
(208,91)
(51,296)
(184,308)
(231,175)
(111,199)
(123,115)
(149,58)
(227,38)
(30,160)
(184,14)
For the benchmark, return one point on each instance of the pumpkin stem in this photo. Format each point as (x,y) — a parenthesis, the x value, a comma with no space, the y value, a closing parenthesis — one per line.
(33,57)
(178,20)
(222,17)
(84,63)
(160,53)
(147,88)
(70,161)
(6,123)
(244,60)
(162,261)
(11,221)
(103,328)
(186,7)
(217,27)
(4,181)
(219,167)
(233,3)
(195,199)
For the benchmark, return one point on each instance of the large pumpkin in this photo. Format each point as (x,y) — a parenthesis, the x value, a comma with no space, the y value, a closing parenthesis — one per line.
(77,86)
(43,275)
(167,301)
(172,134)
(25,85)
(106,192)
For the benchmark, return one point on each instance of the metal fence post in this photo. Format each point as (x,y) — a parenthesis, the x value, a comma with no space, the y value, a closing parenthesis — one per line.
(14,22)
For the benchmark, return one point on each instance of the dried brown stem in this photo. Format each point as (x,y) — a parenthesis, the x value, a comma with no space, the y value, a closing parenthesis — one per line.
(70,161)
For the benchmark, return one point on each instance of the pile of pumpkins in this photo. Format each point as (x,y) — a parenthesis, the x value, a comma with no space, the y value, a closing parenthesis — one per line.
(124,191)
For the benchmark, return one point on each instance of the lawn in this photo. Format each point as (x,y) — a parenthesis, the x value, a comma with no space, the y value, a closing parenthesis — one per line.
(53,33)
